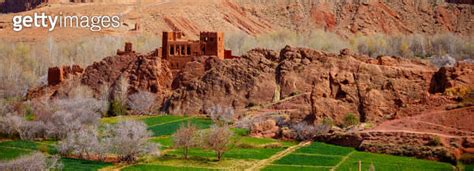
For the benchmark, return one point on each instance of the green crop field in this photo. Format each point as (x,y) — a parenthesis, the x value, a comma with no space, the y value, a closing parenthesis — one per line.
(469,167)
(276,167)
(235,153)
(245,153)
(163,119)
(82,165)
(144,167)
(320,156)
(8,153)
(168,128)
(309,160)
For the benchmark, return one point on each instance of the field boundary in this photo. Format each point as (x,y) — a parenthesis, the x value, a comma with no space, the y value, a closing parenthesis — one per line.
(173,121)
(292,165)
(279,155)
(342,161)
(324,155)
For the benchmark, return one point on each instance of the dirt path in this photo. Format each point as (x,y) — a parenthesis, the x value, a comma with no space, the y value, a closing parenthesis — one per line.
(342,161)
(418,132)
(173,121)
(262,163)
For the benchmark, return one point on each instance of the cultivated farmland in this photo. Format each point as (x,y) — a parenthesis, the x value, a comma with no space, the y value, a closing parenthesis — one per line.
(247,152)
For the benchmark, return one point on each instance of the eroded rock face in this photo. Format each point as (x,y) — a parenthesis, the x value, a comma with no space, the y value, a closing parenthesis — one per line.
(265,129)
(238,83)
(373,89)
(308,84)
(460,76)
(140,72)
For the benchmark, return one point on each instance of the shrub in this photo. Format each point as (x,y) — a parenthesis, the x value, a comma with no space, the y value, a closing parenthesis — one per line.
(141,102)
(327,121)
(350,119)
(460,91)
(443,61)
(467,158)
(218,139)
(185,138)
(435,141)
(117,108)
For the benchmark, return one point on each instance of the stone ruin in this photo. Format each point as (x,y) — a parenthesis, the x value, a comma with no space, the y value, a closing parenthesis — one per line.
(127,50)
(177,50)
(56,75)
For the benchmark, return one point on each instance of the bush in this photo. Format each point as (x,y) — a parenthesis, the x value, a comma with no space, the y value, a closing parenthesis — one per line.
(435,141)
(117,108)
(350,119)
(443,61)
(467,158)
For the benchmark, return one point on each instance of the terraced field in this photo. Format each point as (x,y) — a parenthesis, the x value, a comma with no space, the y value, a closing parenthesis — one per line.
(320,156)
(248,152)
(14,149)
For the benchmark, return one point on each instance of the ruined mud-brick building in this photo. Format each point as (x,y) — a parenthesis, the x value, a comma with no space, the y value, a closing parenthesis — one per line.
(57,75)
(178,50)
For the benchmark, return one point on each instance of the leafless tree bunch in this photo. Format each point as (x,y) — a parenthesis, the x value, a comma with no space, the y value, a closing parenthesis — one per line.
(83,142)
(141,102)
(185,138)
(34,162)
(218,139)
(129,140)
(221,115)
(443,61)
(305,131)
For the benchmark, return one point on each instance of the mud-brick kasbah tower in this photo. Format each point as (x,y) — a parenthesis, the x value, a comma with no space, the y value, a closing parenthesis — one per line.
(179,51)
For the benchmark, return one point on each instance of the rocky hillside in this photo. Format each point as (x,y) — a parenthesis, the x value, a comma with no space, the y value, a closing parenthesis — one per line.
(256,17)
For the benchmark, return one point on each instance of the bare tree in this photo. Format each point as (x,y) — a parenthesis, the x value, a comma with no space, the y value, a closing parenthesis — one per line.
(305,131)
(129,140)
(185,138)
(141,102)
(34,162)
(83,142)
(218,139)
(221,115)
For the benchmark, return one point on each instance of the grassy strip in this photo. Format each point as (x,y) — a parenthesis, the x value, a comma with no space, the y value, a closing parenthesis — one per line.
(9,153)
(144,167)
(295,159)
(281,167)
(82,165)
(322,148)
(170,128)
(388,162)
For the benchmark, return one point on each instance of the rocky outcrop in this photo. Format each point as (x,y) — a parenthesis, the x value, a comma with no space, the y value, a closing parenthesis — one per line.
(265,129)
(374,89)
(239,83)
(139,72)
(460,77)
